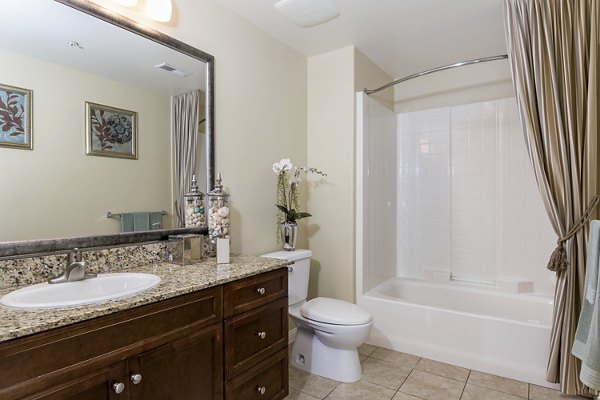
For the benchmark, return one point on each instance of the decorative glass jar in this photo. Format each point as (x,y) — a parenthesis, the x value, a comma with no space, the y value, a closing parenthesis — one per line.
(218,215)
(194,206)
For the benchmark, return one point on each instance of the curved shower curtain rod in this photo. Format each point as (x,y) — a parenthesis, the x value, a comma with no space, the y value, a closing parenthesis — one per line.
(438,69)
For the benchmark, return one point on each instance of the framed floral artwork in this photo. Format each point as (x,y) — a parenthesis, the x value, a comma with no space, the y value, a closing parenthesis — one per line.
(110,131)
(16,112)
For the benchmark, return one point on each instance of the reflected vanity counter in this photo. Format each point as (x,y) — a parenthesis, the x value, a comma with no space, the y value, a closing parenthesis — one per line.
(176,280)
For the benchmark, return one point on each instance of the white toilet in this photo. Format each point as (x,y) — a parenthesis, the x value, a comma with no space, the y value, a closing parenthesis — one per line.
(329,330)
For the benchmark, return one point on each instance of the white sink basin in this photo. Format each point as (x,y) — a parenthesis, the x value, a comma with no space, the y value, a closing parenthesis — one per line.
(88,291)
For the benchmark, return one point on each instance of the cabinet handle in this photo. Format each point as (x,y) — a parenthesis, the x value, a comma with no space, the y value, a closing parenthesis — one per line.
(136,378)
(261,389)
(261,290)
(262,334)
(119,387)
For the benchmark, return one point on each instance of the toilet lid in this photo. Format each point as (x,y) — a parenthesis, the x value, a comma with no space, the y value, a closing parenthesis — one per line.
(333,311)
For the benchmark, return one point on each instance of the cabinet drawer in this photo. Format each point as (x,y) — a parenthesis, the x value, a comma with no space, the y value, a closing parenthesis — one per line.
(253,292)
(254,335)
(267,381)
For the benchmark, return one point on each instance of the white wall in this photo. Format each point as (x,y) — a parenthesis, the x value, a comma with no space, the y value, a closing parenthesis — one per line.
(260,92)
(56,190)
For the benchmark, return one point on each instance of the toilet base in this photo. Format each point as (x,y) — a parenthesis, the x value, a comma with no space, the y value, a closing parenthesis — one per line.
(311,355)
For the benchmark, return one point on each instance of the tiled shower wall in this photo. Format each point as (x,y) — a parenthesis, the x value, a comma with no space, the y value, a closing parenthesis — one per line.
(467,198)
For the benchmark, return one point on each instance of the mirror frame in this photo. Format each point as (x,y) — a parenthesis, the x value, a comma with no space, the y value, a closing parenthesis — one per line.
(29,247)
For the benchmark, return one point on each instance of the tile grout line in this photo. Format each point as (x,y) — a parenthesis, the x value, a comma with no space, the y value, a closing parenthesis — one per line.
(465,385)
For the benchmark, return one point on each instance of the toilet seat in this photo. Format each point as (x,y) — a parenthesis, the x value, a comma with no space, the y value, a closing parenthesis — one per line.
(334,311)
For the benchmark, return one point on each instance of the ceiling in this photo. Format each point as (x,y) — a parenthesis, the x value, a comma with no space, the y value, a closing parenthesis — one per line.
(42,29)
(401,36)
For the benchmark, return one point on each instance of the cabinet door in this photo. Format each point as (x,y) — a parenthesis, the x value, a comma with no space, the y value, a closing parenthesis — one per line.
(100,385)
(190,368)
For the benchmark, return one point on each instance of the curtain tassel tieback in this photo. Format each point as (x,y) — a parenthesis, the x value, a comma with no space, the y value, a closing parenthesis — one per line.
(558,260)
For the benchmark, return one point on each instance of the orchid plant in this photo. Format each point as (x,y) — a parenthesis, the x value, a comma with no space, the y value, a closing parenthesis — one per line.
(288,178)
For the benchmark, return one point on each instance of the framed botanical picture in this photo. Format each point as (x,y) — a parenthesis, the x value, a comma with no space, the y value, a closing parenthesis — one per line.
(16,114)
(110,131)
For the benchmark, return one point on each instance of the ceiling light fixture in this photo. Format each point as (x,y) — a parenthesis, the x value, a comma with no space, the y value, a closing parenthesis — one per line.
(159,10)
(307,13)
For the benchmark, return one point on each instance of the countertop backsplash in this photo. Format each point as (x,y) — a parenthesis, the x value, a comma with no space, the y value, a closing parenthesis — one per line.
(39,268)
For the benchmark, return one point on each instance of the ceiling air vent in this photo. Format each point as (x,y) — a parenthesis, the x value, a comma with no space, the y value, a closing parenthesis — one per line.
(172,69)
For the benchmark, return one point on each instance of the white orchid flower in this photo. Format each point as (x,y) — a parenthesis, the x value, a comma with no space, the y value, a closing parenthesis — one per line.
(286,164)
(277,168)
(294,180)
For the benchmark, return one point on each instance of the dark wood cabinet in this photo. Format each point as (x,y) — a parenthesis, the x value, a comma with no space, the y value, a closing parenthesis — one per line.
(94,386)
(175,349)
(186,369)
(256,338)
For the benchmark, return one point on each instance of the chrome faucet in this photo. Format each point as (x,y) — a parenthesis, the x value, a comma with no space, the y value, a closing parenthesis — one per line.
(75,269)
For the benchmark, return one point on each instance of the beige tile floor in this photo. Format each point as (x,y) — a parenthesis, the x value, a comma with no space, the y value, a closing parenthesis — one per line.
(390,375)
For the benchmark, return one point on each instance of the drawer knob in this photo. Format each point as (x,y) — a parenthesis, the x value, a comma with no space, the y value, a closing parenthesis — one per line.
(261,389)
(136,378)
(119,387)
(262,334)
(261,290)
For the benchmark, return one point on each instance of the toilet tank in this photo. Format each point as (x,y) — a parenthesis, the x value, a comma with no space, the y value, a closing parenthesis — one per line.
(298,273)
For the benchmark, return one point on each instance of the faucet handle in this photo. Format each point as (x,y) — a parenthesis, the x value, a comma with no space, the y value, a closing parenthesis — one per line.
(74,256)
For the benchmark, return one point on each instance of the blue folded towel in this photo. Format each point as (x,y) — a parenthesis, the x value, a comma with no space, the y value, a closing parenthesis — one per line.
(586,346)
(126,222)
(141,221)
(156,220)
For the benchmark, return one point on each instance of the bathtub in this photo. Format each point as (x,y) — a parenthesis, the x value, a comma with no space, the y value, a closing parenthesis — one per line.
(471,326)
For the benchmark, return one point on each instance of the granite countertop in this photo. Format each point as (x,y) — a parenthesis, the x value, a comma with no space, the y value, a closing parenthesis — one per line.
(176,280)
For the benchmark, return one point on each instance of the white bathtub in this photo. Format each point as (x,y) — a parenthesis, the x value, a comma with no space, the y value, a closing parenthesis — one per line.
(474,327)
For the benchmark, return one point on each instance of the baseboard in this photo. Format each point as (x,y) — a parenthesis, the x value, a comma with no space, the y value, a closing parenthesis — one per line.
(292,335)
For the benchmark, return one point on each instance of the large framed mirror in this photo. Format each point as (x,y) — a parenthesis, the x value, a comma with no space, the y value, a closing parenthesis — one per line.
(70,54)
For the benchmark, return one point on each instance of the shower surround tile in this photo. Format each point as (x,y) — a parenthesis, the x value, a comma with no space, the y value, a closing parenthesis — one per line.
(465,185)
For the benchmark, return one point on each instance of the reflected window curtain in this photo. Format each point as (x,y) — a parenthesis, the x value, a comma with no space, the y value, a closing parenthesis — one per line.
(185,140)
(552,47)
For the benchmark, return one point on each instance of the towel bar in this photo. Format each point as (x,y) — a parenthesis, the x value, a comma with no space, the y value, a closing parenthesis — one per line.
(118,215)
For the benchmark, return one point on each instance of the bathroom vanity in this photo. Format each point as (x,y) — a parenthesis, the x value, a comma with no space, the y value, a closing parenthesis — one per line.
(207,331)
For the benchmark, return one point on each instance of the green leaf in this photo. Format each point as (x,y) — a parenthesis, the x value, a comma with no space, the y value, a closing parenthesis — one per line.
(283,209)
(301,214)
